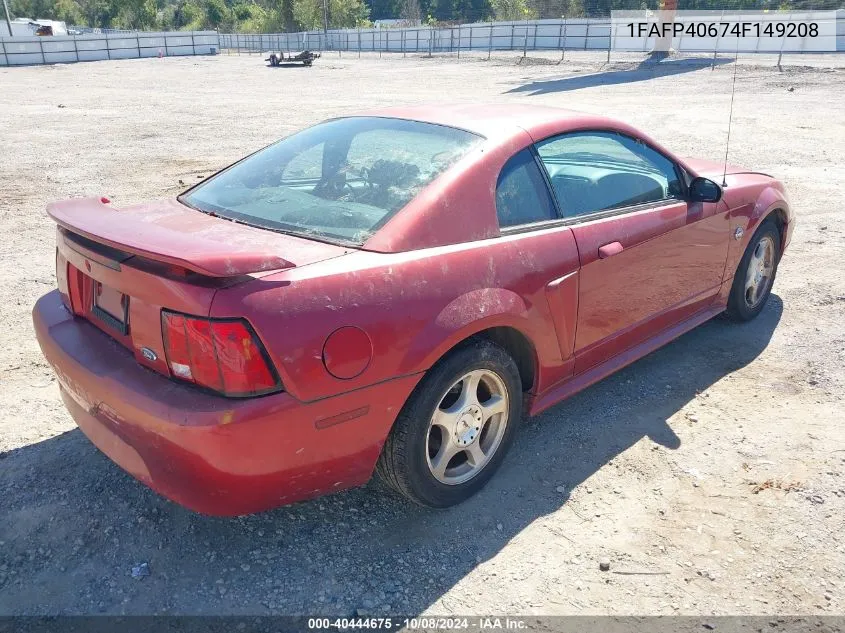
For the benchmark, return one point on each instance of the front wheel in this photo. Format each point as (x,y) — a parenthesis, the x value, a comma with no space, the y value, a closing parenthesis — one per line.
(456,427)
(755,275)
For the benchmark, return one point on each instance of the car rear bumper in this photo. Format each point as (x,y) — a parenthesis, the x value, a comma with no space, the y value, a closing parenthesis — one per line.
(212,454)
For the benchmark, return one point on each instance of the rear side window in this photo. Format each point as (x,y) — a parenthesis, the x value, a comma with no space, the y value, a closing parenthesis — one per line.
(522,196)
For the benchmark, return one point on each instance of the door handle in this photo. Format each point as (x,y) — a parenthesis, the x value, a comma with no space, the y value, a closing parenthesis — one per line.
(609,250)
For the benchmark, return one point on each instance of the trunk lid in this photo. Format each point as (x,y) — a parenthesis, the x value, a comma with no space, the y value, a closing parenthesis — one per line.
(169,232)
(119,268)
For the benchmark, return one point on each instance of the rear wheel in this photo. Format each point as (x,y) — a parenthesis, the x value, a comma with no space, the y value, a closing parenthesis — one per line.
(456,427)
(755,275)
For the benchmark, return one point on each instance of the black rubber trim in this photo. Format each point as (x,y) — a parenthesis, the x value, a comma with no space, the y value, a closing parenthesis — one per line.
(121,327)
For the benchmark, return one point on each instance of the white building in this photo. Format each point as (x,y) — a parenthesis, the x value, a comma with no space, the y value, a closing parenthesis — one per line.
(24,27)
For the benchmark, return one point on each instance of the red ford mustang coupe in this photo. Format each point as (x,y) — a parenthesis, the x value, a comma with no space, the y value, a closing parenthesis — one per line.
(391,293)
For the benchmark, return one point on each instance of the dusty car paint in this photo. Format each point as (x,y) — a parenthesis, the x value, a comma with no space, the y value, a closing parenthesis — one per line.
(439,272)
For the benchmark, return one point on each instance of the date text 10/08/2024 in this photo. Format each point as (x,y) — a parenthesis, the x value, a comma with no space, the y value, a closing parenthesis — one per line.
(432,623)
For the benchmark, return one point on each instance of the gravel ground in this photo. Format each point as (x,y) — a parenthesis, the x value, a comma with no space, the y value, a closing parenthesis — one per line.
(709,474)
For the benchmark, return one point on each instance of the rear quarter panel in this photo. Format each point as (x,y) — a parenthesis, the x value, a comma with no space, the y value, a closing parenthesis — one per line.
(413,306)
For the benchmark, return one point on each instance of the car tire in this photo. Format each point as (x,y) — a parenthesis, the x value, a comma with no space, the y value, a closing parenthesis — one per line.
(755,274)
(415,460)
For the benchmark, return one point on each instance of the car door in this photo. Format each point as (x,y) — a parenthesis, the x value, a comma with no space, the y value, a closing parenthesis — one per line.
(648,258)
(526,209)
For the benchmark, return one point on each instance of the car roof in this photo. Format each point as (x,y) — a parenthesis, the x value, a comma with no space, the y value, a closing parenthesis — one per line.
(496,120)
(471,183)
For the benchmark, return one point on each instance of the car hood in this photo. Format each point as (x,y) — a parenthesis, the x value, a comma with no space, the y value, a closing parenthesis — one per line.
(714,169)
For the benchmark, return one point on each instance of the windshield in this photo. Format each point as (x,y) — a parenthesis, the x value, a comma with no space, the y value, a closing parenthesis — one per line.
(339,180)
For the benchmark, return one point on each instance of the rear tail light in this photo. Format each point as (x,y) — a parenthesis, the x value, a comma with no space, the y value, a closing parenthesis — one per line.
(220,354)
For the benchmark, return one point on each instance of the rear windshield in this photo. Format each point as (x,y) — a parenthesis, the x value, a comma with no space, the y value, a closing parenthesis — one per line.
(339,181)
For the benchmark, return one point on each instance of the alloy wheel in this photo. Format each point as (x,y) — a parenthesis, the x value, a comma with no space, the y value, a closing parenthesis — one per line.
(467,427)
(758,276)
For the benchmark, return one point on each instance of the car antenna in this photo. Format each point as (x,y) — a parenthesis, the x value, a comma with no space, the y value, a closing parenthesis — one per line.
(730,118)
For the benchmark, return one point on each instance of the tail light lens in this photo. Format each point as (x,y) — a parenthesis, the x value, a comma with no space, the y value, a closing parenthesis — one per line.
(220,354)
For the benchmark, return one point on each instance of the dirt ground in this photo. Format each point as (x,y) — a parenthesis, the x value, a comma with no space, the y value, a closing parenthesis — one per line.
(711,474)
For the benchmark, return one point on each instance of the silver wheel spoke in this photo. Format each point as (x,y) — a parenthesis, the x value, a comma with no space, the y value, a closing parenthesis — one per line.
(751,293)
(469,391)
(445,420)
(448,449)
(475,455)
(496,404)
(751,276)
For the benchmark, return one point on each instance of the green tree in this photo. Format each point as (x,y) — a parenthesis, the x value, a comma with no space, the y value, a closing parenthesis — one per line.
(216,13)
(193,17)
(574,9)
(442,10)
(341,13)
(98,13)
(410,11)
(511,10)
(67,11)
(250,17)
(553,9)
(38,9)
(473,10)
(135,14)
(385,9)
(287,21)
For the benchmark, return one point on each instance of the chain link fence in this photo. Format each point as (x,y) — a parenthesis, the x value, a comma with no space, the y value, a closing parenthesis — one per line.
(61,49)
(533,35)
(563,34)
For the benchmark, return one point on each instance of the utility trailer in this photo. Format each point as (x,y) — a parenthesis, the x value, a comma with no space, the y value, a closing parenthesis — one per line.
(306,57)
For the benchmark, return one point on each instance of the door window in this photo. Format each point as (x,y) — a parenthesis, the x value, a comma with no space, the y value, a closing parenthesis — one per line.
(598,171)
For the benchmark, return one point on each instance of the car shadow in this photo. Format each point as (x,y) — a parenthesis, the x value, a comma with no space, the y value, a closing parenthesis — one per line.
(75,525)
(643,71)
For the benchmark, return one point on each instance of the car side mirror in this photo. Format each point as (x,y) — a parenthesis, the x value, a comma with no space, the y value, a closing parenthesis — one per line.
(704,190)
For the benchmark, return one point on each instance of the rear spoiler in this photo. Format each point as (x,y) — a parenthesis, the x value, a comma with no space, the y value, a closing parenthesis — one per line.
(196,241)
